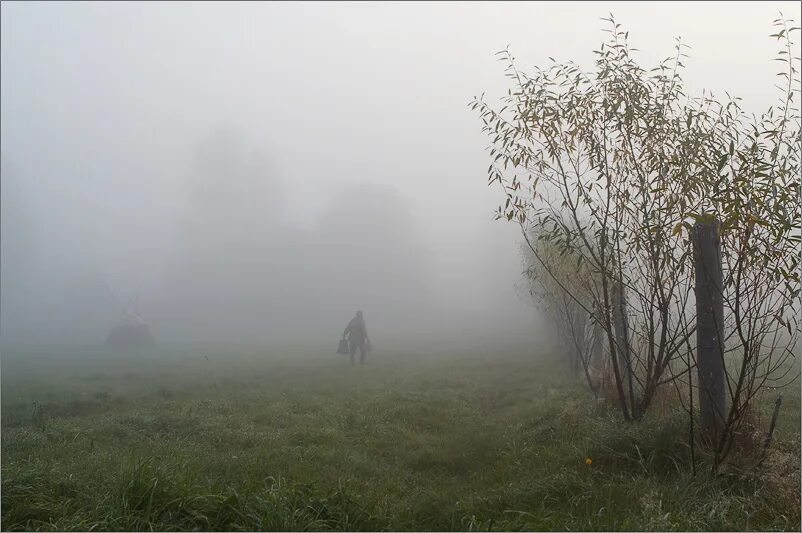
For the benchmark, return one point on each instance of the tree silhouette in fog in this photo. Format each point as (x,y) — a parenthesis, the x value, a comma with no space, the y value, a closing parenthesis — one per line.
(242,269)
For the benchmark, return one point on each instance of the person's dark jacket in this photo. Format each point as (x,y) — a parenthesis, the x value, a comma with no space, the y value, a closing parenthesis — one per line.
(356,331)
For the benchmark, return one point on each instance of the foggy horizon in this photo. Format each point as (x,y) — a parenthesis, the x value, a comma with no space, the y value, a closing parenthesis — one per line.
(258,172)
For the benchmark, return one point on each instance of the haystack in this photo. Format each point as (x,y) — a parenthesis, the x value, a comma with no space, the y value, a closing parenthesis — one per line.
(132,331)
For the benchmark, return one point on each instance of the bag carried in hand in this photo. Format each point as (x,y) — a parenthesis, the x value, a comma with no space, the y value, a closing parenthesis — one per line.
(343,347)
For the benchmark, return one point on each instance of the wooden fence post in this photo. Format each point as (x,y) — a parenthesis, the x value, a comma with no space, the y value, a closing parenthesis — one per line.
(621,325)
(597,358)
(709,328)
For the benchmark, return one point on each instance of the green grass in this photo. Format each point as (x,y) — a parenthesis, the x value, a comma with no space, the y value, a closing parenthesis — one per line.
(254,440)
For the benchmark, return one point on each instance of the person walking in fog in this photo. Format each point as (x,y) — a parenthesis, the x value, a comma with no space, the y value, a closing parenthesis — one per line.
(357,337)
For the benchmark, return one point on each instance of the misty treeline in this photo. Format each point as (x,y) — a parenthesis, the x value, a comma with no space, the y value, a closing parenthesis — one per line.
(612,175)
(220,260)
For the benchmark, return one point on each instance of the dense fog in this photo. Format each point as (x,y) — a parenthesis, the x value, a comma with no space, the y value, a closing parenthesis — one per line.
(257,172)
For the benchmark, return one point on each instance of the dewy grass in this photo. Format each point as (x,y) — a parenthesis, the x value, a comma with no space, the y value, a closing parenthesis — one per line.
(227,440)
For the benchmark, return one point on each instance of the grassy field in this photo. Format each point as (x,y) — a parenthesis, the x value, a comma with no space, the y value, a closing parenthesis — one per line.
(249,439)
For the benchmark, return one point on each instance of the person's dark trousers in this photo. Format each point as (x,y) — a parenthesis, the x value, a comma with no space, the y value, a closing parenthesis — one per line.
(361,347)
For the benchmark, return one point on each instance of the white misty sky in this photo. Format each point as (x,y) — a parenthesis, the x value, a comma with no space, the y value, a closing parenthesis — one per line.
(104,103)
